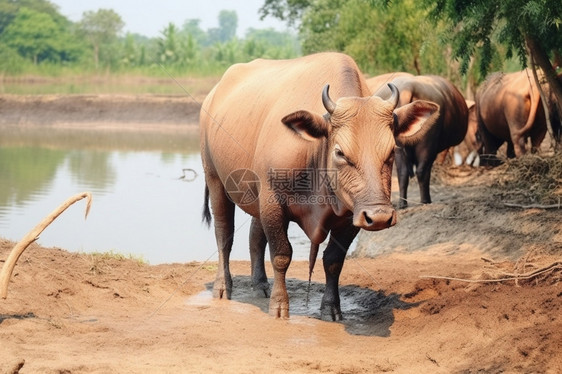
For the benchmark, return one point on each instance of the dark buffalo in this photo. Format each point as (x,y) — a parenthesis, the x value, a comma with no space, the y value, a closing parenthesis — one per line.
(448,131)
(381,81)
(278,145)
(509,110)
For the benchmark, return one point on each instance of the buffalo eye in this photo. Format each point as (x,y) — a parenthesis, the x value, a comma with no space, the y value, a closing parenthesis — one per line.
(340,157)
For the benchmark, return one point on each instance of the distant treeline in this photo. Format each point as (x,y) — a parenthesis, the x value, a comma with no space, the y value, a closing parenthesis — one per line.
(35,38)
(460,40)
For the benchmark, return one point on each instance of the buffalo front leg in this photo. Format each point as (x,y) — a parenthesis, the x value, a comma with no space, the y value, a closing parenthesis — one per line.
(258,241)
(423,174)
(333,259)
(275,225)
(223,214)
(402,169)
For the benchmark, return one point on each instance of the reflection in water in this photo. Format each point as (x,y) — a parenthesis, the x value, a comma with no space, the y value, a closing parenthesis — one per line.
(141,205)
(92,169)
(25,172)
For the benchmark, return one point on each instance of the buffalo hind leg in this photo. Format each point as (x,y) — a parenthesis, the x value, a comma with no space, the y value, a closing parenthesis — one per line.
(537,134)
(223,214)
(333,259)
(490,145)
(258,241)
(510,149)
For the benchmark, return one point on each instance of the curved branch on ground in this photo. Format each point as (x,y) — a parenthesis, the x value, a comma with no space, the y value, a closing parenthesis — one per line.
(33,235)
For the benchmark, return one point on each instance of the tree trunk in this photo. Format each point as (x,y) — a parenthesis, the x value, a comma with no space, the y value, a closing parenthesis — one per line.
(544,100)
(541,58)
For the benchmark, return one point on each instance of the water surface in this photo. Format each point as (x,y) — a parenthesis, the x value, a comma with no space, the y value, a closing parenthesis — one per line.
(144,203)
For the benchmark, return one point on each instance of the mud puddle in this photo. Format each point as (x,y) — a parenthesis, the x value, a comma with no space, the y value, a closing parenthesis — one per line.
(366,312)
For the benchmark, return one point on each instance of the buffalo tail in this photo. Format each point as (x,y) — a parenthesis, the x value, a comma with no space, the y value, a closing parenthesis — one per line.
(206,211)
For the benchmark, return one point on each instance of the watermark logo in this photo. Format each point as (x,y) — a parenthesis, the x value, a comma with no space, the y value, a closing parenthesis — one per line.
(242,186)
(302,199)
(306,180)
(289,186)
(302,186)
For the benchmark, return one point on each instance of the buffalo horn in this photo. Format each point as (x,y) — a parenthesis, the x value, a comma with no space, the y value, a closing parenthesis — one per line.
(328,103)
(395,95)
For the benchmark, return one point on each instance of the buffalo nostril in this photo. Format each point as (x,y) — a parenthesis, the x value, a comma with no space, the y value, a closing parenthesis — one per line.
(368,219)
(390,221)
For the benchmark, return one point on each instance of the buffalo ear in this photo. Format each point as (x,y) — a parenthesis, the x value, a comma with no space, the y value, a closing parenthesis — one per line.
(308,125)
(413,121)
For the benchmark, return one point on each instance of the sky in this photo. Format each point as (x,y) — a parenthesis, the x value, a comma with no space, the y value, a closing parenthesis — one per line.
(150,17)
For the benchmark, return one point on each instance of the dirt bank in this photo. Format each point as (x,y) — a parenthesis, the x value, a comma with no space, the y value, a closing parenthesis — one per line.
(81,313)
(77,313)
(471,211)
(116,112)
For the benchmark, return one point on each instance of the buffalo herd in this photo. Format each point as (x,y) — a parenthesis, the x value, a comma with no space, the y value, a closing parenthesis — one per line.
(312,141)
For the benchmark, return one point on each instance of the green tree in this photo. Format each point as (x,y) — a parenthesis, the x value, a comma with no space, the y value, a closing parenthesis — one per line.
(381,38)
(37,36)
(227,53)
(285,10)
(318,29)
(11,61)
(191,27)
(169,45)
(269,43)
(129,51)
(190,49)
(228,23)
(100,28)
(10,8)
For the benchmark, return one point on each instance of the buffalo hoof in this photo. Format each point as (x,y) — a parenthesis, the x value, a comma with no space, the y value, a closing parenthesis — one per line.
(279,309)
(402,204)
(330,313)
(261,290)
(222,290)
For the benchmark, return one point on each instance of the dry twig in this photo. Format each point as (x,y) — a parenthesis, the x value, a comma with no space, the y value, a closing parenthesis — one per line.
(534,206)
(32,236)
(507,276)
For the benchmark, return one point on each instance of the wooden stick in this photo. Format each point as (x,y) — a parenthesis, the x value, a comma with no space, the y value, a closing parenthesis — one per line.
(32,236)
(530,275)
(534,206)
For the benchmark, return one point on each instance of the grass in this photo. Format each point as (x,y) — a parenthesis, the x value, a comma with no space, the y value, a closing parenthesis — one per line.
(107,84)
(49,78)
(99,262)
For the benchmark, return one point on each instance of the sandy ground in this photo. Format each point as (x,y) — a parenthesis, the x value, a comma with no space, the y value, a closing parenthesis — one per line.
(81,313)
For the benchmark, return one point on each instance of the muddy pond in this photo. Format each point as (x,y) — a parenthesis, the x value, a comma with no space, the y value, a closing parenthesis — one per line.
(147,194)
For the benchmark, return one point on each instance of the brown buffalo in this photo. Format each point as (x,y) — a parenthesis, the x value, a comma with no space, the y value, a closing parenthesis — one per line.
(509,110)
(276,144)
(449,129)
